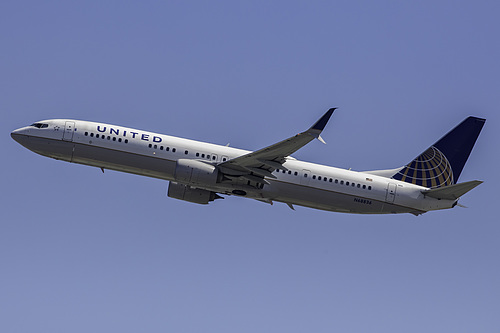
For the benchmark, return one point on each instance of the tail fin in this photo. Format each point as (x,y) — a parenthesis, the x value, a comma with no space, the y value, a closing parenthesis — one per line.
(443,162)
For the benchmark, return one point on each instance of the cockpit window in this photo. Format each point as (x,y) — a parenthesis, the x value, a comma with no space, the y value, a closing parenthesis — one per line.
(40,125)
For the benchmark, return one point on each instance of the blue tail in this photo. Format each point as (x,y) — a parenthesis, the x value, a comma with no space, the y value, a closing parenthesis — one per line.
(443,162)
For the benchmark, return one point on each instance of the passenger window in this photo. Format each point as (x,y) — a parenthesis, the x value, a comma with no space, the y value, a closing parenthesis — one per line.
(369,187)
(319,177)
(289,172)
(114,138)
(173,150)
(314,176)
(364,187)
(347,183)
(150,146)
(359,185)
(336,181)
(86,133)
(324,179)
(155,146)
(203,155)
(295,173)
(126,140)
(161,147)
(197,154)
(97,136)
(214,157)
(330,180)
(119,139)
(305,175)
(208,156)
(185,152)
(109,138)
(341,182)
(167,149)
(91,135)
(224,159)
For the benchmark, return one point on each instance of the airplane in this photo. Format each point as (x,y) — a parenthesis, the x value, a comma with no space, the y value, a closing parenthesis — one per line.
(201,172)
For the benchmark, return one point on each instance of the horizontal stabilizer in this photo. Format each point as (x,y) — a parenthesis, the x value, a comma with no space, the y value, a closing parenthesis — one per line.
(452,192)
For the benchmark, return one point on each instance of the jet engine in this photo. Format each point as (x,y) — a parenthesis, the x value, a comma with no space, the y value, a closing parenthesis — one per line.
(195,172)
(188,193)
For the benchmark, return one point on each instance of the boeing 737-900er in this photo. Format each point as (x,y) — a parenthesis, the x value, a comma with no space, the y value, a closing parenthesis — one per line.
(201,172)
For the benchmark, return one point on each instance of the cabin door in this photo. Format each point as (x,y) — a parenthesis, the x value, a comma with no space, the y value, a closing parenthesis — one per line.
(391,193)
(69,130)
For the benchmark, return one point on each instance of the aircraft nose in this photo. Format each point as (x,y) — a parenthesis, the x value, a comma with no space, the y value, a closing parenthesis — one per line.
(19,135)
(15,135)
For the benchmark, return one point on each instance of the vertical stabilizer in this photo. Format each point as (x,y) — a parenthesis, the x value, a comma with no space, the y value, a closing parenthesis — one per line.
(442,163)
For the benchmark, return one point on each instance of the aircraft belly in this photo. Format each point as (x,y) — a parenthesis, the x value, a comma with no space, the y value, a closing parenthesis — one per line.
(328,200)
(124,161)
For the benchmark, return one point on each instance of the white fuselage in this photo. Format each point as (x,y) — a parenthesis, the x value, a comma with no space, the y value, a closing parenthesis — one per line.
(155,155)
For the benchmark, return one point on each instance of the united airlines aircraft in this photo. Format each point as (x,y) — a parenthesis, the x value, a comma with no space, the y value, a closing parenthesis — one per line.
(201,172)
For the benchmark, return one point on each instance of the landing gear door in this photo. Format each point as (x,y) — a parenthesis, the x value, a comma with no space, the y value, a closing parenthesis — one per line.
(391,193)
(69,130)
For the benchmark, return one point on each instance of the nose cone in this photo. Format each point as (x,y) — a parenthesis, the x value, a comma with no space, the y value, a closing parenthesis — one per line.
(20,135)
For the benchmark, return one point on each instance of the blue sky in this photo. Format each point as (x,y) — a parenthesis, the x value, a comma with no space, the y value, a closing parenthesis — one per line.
(84,251)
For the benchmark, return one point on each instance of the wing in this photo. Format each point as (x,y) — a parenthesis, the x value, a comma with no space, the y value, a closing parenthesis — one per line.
(256,165)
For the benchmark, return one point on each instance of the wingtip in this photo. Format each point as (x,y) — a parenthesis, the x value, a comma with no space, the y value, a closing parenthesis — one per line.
(321,123)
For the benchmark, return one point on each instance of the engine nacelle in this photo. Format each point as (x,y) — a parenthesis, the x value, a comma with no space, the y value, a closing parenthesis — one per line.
(187,193)
(195,172)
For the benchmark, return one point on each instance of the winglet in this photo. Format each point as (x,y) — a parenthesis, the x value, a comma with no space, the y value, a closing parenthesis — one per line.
(320,124)
(318,127)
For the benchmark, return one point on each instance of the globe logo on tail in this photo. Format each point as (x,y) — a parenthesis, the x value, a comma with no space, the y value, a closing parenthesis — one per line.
(430,169)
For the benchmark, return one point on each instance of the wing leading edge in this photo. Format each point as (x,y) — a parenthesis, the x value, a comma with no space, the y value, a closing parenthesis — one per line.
(256,165)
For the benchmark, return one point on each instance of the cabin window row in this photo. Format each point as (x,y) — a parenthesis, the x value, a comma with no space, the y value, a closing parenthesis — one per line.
(341,182)
(295,173)
(212,157)
(162,148)
(207,156)
(331,180)
(104,137)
